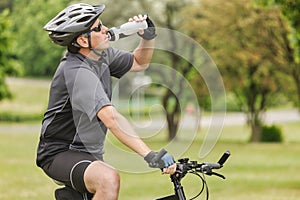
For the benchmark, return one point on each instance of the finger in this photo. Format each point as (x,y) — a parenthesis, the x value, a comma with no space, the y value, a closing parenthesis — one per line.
(141,18)
(136,18)
(173,168)
(141,31)
(170,170)
(164,171)
(130,19)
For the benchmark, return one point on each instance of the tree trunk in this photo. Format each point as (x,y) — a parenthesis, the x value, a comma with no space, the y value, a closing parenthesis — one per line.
(256,105)
(296,77)
(172,126)
(172,113)
(255,132)
(255,124)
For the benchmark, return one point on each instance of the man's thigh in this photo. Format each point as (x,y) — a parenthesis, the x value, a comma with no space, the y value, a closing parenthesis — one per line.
(68,167)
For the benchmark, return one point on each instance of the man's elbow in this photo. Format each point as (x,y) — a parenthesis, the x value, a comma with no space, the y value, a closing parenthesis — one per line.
(108,115)
(138,67)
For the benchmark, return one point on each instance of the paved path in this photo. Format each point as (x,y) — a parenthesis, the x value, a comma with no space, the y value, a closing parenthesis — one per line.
(188,121)
(271,117)
(229,119)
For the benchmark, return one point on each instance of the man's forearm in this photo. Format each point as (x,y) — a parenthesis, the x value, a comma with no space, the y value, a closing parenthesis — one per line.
(127,135)
(122,130)
(143,54)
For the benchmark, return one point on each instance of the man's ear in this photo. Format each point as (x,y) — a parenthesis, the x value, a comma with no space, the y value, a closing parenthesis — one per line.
(83,41)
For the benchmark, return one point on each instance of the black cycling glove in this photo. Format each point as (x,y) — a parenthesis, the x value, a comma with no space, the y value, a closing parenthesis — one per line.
(149,33)
(159,162)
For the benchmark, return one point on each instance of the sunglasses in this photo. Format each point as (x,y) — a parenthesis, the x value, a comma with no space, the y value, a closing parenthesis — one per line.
(96,28)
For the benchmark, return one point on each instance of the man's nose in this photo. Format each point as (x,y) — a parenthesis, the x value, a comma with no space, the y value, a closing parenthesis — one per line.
(104,29)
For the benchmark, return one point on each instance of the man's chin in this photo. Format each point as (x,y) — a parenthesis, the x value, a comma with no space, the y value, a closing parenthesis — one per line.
(102,46)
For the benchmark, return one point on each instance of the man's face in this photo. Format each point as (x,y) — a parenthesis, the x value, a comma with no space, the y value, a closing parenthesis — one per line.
(99,38)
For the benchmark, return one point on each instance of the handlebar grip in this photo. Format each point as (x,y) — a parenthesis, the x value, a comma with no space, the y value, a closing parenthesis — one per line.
(159,155)
(224,158)
(212,165)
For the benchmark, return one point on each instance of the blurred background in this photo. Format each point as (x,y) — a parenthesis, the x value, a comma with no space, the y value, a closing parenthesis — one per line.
(253,44)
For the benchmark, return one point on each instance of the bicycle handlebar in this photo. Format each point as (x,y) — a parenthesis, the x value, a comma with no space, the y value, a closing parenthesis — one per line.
(224,157)
(184,166)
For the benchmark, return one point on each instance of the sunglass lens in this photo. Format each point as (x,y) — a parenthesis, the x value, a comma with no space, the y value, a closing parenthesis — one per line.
(98,28)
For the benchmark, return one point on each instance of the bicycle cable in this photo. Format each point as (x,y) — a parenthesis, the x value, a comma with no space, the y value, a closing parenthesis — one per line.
(204,185)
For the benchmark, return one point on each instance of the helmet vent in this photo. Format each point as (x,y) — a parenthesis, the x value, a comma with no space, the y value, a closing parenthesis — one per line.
(62,14)
(74,15)
(84,19)
(60,22)
(76,9)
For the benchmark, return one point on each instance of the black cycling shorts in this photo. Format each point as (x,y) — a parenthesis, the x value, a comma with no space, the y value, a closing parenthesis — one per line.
(68,168)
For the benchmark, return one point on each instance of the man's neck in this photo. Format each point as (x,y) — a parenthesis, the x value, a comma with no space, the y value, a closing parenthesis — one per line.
(89,54)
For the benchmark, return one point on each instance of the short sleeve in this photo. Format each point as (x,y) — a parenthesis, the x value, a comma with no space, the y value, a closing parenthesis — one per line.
(120,62)
(86,91)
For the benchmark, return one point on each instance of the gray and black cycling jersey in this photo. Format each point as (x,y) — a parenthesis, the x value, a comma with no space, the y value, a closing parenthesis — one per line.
(79,89)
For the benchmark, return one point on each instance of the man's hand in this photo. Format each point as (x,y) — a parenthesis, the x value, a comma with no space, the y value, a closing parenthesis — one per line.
(149,33)
(166,162)
(169,170)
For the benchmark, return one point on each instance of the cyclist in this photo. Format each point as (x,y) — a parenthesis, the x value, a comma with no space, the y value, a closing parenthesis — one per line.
(80,111)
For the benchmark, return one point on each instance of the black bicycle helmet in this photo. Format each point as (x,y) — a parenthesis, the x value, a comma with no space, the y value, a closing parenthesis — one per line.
(73,21)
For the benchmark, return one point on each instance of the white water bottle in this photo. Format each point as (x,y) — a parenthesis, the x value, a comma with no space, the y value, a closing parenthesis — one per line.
(125,30)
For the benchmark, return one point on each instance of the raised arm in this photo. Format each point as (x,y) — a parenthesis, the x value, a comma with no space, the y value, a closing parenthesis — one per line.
(143,53)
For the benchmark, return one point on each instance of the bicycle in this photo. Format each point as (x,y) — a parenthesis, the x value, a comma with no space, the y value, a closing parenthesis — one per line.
(184,166)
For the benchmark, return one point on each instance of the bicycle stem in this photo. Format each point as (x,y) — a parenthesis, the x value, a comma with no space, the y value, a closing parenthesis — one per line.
(178,187)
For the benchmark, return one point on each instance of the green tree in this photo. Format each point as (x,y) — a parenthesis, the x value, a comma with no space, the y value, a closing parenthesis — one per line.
(173,95)
(34,48)
(8,64)
(247,44)
(176,94)
(5,4)
(291,10)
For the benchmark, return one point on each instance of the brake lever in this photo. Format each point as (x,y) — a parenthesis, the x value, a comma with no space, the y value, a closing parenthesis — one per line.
(205,170)
(217,174)
(208,171)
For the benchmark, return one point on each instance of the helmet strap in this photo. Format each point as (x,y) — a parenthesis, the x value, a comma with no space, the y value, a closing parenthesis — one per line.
(92,49)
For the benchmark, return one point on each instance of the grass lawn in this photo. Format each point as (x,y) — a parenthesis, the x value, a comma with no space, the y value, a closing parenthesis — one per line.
(29,99)
(254,171)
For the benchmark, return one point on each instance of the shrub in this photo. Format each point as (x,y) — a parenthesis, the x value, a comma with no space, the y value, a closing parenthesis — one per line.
(20,117)
(271,134)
